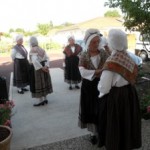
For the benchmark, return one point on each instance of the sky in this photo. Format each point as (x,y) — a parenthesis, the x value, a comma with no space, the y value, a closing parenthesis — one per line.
(27,14)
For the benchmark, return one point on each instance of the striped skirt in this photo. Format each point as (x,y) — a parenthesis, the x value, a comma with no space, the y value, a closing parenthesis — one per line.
(21,73)
(40,83)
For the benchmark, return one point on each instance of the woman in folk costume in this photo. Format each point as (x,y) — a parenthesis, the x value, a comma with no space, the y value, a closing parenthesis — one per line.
(119,122)
(72,74)
(21,65)
(90,65)
(40,82)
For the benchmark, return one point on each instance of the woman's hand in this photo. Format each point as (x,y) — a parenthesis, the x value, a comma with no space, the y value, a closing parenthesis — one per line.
(45,69)
(107,49)
(98,72)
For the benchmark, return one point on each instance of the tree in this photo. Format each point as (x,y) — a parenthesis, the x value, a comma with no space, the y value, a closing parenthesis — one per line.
(66,24)
(45,28)
(112,13)
(11,30)
(30,33)
(136,14)
(20,30)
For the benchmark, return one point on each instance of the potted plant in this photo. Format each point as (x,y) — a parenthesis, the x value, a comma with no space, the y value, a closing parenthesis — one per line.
(5,124)
(5,112)
(5,137)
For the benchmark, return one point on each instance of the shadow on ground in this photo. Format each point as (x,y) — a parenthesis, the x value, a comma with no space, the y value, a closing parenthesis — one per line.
(7,67)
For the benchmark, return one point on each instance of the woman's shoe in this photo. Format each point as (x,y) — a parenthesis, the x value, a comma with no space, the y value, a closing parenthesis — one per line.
(70,87)
(77,87)
(24,89)
(93,140)
(39,104)
(20,91)
(46,101)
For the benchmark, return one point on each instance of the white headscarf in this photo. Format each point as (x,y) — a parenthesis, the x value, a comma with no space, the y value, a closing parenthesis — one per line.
(89,35)
(117,40)
(18,37)
(35,48)
(33,41)
(71,37)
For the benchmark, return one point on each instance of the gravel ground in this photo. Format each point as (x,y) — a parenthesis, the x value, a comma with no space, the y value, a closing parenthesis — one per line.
(82,143)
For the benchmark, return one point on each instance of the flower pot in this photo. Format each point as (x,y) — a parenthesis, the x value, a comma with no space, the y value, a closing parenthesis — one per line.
(5,137)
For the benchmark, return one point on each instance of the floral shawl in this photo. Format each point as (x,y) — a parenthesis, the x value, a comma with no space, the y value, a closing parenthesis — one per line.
(38,50)
(69,52)
(123,64)
(86,62)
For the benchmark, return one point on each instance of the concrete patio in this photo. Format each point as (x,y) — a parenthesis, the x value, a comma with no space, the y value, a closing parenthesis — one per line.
(53,126)
(33,126)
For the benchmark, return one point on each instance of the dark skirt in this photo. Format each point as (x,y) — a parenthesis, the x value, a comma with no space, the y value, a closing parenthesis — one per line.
(21,73)
(88,102)
(119,119)
(71,70)
(40,83)
(3,89)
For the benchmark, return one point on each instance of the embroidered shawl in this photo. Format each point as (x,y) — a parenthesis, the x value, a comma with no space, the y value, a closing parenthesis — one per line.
(38,50)
(86,62)
(69,52)
(122,64)
(20,50)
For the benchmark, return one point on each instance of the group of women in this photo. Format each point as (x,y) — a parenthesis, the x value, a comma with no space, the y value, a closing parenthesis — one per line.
(109,105)
(36,73)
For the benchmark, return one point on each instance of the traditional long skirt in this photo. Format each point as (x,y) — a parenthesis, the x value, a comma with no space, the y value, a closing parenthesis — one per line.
(3,89)
(71,70)
(40,83)
(119,119)
(88,105)
(21,73)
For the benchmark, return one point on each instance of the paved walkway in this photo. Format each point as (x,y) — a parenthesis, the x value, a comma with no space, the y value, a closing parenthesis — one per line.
(54,126)
(57,121)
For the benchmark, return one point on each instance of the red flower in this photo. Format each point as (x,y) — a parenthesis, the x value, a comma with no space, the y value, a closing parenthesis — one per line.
(148,109)
(5,112)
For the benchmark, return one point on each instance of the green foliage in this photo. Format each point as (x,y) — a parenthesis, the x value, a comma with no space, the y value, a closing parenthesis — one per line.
(5,112)
(4,115)
(30,33)
(20,30)
(144,103)
(136,14)
(50,45)
(143,90)
(11,30)
(112,13)
(5,46)
(44,28)
(6,35)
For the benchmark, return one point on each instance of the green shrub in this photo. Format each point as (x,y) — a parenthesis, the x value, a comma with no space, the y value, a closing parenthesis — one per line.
(5,46)
(50,46)
(144,96)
